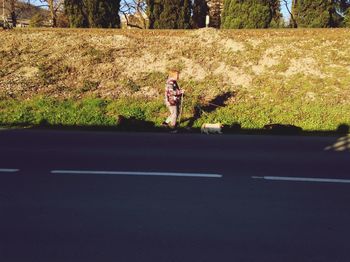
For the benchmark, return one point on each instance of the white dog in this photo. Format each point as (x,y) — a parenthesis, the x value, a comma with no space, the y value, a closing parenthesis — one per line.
(211,128)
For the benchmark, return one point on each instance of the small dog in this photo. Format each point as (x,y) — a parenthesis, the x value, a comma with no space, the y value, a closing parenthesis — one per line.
(211,128)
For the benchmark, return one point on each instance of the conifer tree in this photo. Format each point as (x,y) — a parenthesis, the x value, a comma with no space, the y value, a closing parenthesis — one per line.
(76,12)
(200,11)
(249,13)
(347,18)
(184,21)
(169,14)
(320,13)
(154,10)
(103,13)
(93,13)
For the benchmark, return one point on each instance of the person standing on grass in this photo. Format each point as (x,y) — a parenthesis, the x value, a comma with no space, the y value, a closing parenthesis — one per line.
(173,96)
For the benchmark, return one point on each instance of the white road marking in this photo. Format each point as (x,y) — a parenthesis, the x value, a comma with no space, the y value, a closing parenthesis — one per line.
(304,179)
(127,173)
(8,170)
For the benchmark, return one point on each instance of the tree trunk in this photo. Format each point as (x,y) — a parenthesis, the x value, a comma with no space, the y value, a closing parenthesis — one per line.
(13,12)
(53,13)
(54,19)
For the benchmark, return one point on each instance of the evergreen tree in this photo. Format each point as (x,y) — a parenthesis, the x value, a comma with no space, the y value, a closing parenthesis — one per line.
(76,12)
(184,21)
(150,13)
(169,14)
(93,13)
(169,17)
(200,11)
(154,10)
(249,13)
(344,9)
(320,13)
(347,18)
(103,13)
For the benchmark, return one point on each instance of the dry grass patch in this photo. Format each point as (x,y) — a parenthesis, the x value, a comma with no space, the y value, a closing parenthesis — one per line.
(276,74)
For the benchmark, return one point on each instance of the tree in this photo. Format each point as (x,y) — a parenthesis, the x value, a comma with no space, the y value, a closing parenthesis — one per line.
(185,14)
(344,10)
(76,11)
(154,10)
(11,9)
(320,13)
(37,20)
(347,18)
(169,14)
(275,9)
(293,22)
(200,11)
(93,13)
(54,6)
(134,12)
(103,13)
(249,13)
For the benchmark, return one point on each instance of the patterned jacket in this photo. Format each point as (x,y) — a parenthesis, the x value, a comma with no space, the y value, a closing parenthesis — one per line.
(173,92)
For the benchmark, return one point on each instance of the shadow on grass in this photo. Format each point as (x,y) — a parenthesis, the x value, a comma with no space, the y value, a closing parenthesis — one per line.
(218,102)
(125,124)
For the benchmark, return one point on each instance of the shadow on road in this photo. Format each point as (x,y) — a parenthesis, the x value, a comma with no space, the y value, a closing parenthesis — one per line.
(125,124)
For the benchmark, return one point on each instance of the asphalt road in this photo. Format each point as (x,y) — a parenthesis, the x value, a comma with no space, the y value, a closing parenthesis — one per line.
(86,196)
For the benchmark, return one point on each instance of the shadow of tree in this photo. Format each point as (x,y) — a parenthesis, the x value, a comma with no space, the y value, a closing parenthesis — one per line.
(209,107)
(132,124)
(343,143)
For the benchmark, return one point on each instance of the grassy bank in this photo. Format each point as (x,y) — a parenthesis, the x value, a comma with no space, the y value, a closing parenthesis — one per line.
(249,77)
(100,112)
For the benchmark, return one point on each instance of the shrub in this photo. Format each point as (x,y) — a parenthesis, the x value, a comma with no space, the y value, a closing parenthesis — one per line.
(37,20)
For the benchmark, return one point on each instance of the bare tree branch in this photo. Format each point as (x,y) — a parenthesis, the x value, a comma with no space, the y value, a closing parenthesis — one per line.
(295,24)
(135,9)
(54,6)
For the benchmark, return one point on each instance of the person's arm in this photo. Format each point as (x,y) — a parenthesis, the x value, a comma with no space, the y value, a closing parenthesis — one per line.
(178,91)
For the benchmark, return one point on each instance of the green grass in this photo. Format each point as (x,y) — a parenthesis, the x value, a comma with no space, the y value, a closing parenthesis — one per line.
(90,77)
(100,112)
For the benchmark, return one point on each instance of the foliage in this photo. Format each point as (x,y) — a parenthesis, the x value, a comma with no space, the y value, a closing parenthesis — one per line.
(103,13)
(200,10)
(37,20)
(77,13)
(250,13)
(54,7)
(134,12)
(62,20)
(347,18)
(93,13)
(320,13)
(169,14)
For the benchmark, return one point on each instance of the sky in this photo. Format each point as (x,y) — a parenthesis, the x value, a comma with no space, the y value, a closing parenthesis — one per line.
(283,8)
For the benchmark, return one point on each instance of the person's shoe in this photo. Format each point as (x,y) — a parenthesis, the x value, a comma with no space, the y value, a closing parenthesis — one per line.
(165,124)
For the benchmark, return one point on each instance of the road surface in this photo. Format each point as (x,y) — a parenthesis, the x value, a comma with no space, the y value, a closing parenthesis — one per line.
(103,196)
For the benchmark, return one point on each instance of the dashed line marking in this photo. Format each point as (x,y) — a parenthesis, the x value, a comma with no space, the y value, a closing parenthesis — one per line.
(8,170)
(303,179)
(128,173)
